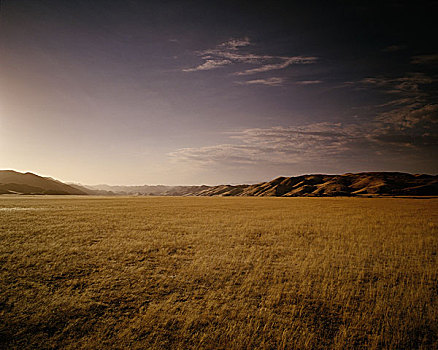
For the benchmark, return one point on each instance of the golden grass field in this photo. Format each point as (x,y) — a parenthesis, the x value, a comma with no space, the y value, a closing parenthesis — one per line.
(218,273)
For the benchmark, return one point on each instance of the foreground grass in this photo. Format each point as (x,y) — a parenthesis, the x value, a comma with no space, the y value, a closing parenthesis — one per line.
(218,273)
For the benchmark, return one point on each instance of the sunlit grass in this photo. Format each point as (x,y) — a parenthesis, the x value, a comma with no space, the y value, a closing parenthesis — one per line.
(218,273)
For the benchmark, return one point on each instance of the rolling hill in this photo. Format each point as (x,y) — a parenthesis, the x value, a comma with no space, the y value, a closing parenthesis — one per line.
(13,182)
(369,183)
(316,185)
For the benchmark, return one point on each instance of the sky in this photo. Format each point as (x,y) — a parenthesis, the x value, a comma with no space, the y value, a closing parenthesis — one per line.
(213,92)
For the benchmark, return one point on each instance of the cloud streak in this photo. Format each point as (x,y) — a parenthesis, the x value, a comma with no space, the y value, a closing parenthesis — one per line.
(404,127)
(283,63)
(274,81)
(235,52)
(408,84)
(394,48)
(425,59)
(308,82)
(209,64)
(389,135)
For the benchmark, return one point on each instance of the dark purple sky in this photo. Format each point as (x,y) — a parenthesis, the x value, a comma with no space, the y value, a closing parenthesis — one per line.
(191,92)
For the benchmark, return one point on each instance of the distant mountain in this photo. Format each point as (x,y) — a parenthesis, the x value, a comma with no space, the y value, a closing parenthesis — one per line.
(90,191)
(316,185)
(13,182)
(371,183)
(157,190)
(133,190)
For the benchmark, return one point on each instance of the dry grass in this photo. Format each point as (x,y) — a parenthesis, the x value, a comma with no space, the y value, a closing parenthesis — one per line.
(218,273)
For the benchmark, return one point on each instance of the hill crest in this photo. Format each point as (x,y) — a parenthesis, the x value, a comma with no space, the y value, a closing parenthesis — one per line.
(312,185)
(14,182)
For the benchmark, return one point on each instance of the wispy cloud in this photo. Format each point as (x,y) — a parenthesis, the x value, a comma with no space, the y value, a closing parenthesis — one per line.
(234,44)
(277,81)
(312,143)
(274,81)
(404,127)
(425,59)
(209,64)
(400,132)
(394,48)
(276,145)
(308,82)
(235,51)
(409,117)
(411,94)
(283,63)
(408,84)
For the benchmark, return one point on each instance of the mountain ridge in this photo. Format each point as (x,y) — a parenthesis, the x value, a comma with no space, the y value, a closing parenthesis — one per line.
(14,182)
(312,185)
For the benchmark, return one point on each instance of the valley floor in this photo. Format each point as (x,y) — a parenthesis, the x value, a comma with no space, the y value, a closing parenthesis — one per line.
(218,273)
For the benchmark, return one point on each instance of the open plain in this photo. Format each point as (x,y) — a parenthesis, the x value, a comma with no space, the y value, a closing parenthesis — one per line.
(218,273)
